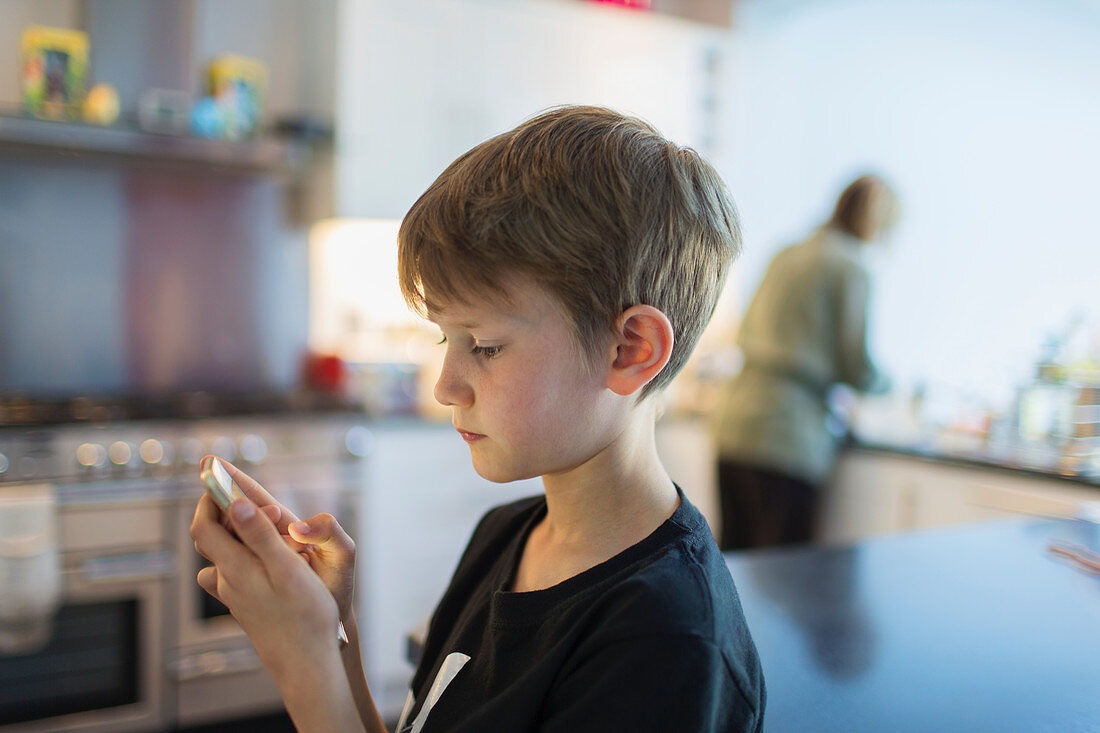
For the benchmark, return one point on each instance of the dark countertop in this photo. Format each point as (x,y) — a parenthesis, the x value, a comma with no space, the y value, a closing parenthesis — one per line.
(971,628)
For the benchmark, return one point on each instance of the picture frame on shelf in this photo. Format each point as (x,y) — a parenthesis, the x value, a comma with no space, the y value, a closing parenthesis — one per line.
(55,70)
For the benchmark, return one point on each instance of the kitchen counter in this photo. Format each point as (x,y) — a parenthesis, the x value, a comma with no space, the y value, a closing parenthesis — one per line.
(971,628)
(1034,463)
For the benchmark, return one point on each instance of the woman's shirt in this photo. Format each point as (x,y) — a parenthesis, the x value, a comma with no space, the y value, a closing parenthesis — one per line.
(804,331)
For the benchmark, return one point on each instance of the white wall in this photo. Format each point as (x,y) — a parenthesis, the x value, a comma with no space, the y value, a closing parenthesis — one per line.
(422,81)
(983,113)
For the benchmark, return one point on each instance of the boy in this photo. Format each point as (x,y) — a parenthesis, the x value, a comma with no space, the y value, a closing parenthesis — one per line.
(571,265)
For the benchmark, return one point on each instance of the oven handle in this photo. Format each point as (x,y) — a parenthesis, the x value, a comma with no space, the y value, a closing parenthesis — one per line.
(126,568)
(214,664)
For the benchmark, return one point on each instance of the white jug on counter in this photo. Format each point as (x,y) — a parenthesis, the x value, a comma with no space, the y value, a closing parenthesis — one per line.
(30,572)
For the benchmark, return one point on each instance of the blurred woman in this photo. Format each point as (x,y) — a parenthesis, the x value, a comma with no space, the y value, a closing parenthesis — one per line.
(804,332)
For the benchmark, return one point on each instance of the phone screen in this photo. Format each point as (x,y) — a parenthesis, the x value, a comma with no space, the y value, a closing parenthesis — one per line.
(219,484)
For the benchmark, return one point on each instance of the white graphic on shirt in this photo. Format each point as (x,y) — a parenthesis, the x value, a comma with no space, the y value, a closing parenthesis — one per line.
(447,671)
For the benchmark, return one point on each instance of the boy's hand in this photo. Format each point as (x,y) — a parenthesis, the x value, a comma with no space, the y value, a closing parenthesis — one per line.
(322,542)
(331,554)
(284,607)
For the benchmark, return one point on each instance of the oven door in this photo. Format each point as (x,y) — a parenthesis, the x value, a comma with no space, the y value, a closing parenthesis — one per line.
(101,670)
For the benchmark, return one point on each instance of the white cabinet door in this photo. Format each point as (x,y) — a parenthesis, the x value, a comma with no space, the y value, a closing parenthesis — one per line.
(868,494)
(873,492)
(957,494)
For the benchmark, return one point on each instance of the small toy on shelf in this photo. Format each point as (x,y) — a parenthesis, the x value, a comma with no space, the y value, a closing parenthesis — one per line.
(208,118)
(55,66)
(101,105)
(164,111)
(238,84)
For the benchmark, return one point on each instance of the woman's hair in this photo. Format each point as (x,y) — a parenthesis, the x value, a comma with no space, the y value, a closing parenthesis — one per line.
(594,206)
(866,207)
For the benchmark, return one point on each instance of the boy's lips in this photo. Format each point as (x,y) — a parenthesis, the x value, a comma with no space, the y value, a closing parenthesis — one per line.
(468,436)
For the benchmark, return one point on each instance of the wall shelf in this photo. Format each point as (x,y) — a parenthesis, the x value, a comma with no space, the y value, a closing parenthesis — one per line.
(24,135)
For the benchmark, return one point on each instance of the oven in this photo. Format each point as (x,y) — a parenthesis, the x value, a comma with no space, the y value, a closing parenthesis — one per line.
(95,664)
(133,643)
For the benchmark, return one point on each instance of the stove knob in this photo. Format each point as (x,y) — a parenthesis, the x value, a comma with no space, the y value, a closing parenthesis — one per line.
(3,463)
(224,447)
(120,453)
(253,448)
(91,455)
(154,452)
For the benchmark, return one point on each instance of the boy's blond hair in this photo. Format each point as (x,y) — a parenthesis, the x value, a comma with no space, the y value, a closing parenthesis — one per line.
(597,207)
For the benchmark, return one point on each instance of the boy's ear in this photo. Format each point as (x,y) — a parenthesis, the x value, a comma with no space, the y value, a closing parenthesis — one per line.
(642,346)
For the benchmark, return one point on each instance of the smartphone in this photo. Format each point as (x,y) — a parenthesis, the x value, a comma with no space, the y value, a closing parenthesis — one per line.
(219,484)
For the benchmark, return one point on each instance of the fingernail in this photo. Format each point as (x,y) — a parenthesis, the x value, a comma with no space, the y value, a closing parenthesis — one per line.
(301,528)
(243,510)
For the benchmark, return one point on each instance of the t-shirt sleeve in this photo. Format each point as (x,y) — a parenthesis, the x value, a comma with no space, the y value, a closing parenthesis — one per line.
(655,683)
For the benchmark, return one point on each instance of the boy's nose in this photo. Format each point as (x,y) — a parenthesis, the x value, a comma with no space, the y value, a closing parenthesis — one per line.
(451,390)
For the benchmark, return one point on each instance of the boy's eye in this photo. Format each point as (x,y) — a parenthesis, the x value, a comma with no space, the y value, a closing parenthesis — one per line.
(487,351)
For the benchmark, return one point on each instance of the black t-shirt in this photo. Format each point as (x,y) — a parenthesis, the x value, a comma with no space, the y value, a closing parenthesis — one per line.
(653,639)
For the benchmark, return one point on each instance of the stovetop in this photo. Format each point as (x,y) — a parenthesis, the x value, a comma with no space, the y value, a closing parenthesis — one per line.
(112,438)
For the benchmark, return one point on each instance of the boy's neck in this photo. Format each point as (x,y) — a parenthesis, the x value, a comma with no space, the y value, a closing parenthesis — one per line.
(615,499)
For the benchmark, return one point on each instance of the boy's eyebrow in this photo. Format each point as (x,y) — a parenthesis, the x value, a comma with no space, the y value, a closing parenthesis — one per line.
(504,317)
(467,325)
(477,317)
(472,325)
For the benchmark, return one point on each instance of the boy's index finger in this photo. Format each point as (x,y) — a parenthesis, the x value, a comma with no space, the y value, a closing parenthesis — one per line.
(259,535)
(218,543)
(259,495)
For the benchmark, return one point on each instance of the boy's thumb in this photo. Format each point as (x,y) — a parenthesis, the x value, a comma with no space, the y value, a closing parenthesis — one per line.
(322,530)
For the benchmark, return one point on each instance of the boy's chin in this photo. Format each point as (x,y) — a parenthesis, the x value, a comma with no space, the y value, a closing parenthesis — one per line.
(500,474)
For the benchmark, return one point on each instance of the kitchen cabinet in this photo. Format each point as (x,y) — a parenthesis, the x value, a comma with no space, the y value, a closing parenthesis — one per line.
(876,491)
